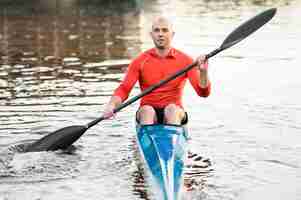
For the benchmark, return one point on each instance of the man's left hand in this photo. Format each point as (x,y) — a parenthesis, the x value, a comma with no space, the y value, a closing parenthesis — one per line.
(202,63)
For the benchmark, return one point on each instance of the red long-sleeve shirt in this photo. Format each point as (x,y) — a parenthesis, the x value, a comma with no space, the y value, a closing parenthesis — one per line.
(149,68)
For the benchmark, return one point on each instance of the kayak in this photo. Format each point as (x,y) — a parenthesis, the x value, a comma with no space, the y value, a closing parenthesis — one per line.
(163,150)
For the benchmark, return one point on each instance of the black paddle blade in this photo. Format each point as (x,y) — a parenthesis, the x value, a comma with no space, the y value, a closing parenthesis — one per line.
(248,28)
(60,139)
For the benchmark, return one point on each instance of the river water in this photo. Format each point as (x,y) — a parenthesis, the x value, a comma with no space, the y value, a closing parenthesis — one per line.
(61,60)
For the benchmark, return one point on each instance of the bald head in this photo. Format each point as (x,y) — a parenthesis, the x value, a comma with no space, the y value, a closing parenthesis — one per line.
(162,33)
(162,20)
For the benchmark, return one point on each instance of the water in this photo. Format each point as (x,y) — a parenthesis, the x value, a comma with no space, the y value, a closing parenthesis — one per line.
(61,60)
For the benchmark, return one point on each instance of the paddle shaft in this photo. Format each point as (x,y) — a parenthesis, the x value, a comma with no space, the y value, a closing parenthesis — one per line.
(243,31)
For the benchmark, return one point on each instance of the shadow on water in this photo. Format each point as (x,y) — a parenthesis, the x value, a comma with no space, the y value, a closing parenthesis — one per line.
(195,177)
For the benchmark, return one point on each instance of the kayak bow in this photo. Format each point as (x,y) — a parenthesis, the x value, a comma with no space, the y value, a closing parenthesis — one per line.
(163,151)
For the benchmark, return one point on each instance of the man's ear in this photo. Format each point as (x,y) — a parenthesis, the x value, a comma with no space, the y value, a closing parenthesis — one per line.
(150,34)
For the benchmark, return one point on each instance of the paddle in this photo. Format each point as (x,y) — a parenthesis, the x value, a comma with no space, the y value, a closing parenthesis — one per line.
(64,137)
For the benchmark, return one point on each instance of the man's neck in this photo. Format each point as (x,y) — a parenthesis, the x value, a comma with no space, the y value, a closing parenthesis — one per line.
(163,52)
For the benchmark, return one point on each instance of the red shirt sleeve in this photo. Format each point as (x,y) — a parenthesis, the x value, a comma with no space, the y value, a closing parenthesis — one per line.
(131,77)
(194,79)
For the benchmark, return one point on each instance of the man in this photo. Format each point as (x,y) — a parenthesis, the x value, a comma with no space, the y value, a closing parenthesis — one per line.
(163,105)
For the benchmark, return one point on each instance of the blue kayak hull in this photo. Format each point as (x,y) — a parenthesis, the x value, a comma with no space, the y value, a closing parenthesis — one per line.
(163,150)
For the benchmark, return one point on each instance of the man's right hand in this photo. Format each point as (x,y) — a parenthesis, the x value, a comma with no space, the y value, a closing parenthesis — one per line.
(109,108)
(108,112)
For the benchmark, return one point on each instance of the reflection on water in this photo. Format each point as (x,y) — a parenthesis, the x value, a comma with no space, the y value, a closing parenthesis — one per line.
(43,32)
(47,48)
(139,184)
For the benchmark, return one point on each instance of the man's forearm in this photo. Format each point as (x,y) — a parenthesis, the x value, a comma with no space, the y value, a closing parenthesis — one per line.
(204,80)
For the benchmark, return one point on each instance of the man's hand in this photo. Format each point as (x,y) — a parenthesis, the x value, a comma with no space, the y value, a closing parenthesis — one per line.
(202,63)
(109,109)
(108,112)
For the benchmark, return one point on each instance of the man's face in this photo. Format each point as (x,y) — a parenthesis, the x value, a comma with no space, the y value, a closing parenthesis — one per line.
(162,34)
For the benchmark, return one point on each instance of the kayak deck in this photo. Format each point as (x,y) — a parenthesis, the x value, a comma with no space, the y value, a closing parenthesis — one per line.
(163,149)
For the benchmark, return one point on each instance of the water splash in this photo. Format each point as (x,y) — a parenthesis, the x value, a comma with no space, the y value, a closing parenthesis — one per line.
(17,166)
